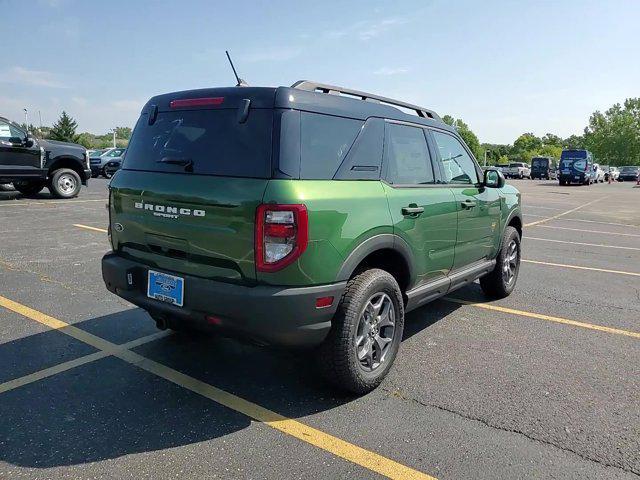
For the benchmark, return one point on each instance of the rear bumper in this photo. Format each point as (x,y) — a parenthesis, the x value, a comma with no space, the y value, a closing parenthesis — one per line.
(282,316)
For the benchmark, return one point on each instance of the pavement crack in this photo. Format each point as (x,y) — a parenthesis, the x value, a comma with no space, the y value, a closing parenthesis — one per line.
(398,394)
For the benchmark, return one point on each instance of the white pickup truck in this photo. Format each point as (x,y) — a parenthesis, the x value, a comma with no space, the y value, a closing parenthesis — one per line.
(517,170)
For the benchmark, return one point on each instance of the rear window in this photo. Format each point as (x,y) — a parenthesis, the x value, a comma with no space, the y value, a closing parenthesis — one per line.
(540,162)
(574,154)
(204,142)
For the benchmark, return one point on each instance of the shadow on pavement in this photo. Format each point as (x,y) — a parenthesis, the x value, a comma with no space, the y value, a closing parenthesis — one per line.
(109,408)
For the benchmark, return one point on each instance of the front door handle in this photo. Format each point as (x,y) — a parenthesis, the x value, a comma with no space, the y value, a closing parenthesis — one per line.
(468,204)
(412,210)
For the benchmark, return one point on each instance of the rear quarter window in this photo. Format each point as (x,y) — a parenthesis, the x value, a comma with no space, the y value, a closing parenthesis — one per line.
(212,140)
(324,143)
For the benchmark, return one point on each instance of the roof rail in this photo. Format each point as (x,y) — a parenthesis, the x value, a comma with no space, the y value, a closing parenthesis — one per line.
(311,86)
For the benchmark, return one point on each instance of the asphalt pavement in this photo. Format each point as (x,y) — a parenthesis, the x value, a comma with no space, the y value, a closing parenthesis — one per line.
(542,384)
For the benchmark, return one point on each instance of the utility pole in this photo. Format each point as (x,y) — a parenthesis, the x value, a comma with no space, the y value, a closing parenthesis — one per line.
(26,118)
(485,157)
(114,138)
(40,116)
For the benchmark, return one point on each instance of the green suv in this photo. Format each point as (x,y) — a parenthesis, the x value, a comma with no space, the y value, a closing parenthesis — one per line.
(304,216)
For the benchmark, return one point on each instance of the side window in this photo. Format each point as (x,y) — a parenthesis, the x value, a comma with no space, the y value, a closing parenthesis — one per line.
(364,159)
(325,141)
(457,166)
(8,131)
(406,156)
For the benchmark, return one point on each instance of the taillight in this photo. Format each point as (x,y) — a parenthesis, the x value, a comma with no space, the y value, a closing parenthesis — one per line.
(282,234)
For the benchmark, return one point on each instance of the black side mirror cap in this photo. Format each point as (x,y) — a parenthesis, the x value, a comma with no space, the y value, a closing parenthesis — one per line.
(493,178)
(29,142)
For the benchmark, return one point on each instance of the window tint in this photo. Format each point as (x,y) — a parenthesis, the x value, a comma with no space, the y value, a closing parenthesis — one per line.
(457,166)
(325,140)
(211,141)
(365,156)
(406,156)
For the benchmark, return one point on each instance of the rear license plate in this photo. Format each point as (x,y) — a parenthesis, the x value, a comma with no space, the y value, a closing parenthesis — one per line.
(166,288)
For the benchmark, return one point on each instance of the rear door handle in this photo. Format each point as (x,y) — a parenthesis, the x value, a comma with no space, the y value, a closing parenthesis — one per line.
(467,204)
(412,210)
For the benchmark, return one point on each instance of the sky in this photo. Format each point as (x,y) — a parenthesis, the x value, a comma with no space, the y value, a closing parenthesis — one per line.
(504,67)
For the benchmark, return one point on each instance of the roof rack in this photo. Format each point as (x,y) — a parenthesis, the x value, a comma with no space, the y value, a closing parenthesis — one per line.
(367,97)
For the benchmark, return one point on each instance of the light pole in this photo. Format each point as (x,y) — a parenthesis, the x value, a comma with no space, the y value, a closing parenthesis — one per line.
(114,138)
(485,157)
(26,118)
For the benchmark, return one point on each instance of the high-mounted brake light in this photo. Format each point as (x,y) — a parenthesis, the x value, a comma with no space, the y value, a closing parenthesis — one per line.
(282,234)
(196,102)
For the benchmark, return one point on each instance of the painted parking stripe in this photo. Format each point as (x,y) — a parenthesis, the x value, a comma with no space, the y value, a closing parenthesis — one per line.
(580,243)
(88,227)
(52,202)
(578,267)
(548,318)
(338,447)
(76,362)
(588,231)
(601,223)
(564,213)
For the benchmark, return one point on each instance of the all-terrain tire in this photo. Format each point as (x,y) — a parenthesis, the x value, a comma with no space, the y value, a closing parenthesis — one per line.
(337,356)
(502,279)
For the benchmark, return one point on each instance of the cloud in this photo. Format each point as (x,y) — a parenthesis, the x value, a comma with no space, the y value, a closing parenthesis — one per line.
(367,30)
(388,71)
(24,76)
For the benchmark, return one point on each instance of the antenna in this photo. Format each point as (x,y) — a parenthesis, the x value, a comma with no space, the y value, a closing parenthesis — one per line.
(241,82)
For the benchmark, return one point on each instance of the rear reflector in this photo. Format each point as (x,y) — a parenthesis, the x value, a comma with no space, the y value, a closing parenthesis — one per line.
(324,302)
(196,102)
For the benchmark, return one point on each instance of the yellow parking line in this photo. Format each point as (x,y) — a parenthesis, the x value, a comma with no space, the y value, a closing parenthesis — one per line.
(338,447)
(76,362)
(537,222)
(580,243)
(87,227)
(588,231)
(51,202)
(548,318)
(578,267)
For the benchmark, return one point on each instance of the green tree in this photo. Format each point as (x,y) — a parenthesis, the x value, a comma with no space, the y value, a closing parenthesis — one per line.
(64,129)
(574,141)
(614,136)
(467,135)
(552,139)
(527,142)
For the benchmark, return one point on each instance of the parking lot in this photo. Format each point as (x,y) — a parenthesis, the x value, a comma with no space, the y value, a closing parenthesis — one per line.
(542,384)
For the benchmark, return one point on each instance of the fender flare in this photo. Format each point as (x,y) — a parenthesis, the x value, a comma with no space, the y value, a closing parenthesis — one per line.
(515,213)
(372,244)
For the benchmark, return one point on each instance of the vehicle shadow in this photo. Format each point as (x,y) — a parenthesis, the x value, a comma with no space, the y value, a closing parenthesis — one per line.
(15,195)
(108,408)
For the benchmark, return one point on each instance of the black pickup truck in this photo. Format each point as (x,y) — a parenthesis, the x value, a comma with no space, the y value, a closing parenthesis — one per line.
(32,164)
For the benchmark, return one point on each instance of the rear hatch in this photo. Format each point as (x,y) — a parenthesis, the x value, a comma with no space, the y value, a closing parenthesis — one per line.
(195,171)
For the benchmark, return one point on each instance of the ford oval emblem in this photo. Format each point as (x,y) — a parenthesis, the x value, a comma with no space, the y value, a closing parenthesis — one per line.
(118,227)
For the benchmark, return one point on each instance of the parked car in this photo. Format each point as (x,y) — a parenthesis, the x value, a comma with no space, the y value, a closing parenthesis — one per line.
(544,167)
(629,173)
(576,167)
(597,173)
(98,162)
(96,152)
(32,164)
(111,167)
(611,171)
(517,170)
(324,238)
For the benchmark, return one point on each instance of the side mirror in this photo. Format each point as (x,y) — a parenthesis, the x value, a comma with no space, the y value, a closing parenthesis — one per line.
(29,142)
(493,178)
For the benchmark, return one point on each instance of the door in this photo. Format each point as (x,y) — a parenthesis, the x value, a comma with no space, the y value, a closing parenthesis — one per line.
(424,213)
(15,157)
(478,207)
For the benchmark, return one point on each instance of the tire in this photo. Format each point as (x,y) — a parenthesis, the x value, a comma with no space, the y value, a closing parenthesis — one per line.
(562,182)
(29,189)
(352,331)
(106,174)
(501,282)
(65,183)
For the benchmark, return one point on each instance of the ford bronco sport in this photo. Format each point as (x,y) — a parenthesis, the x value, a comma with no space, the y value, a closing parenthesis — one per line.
(306,216)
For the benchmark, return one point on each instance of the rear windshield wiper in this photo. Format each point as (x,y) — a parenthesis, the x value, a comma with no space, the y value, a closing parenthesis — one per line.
(187,163)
